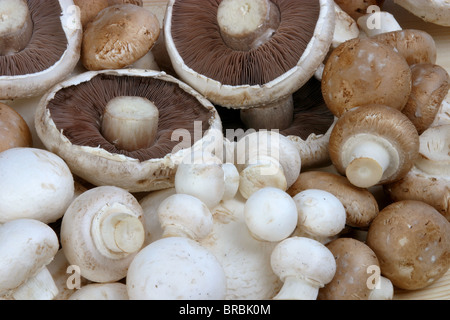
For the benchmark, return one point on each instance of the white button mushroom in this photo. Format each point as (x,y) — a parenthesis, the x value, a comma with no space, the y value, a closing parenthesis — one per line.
(101,232)
(27,246)
(304,265)
(35,184)
(321,215)
(270,214)
(183,215)
(175,268)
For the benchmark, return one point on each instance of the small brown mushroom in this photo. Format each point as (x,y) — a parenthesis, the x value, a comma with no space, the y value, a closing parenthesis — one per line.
(412,242)
(89,9)
(360,205)
(357,8)
(374,144)
(119,36)
(363,71)
(430,85)
(14,131)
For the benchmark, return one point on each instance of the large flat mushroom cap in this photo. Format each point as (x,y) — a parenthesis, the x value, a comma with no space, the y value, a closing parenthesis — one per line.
(246,94)
(99,161)
(25,84)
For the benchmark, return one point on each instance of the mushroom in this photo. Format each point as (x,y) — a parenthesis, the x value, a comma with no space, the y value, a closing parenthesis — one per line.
(118,36)
(376,22)
(27,246)
(101,291)
(345,27)
(373,144)
(430,85)
(429,179)
(101,232)
(69,119)
(304,265)
(436,11)
(361,72)
(89,9)
(359,203)
(183,215)
(272,49)
(35,184)
(175,268)
(266,159)
(321,215)
(412,242)
(270,214)
(14,130)
(356,264)
(358,8)
(43,57)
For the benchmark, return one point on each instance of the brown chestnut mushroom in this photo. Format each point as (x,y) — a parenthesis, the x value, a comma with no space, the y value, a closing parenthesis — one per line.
(89,9)
(363,71)
(374,144)
(46,55)
(357,8)
(118,36)
(412,242)
(14,131)
(69,122)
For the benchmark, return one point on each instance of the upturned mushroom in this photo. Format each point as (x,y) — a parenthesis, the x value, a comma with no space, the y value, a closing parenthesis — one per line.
(14,131)
(101,232)
(429,179)
(360,204)
(27,246)
(118,36)
(175,268)
(357,273)
(436,11)
(321,215)
(263,51)
(69,122)
(361,72)
(373,144)
(35,184)
(270,214)
(412,242)
(40,45)
(304,265)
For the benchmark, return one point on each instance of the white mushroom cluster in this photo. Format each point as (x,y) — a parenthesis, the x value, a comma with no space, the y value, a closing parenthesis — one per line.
(123,184)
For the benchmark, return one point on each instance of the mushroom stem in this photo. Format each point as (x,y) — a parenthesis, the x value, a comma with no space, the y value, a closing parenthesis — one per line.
(16,26)
(277,115)
(385,291)
(116,231)
(40,287)
(370,160)
(131,123)
(295,288)
(247,24)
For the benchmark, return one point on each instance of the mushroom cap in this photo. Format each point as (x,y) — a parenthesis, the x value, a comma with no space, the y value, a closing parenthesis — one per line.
(305,259)
(99,166)
(118,36)
(101,291)
(26,85)
(353,260)
(89,9)
(412,242)
(430,85)
(434,11)
(14,130)
(246,95)
(362,71)
(434,151)
(26,246)
(381,122)
(359,203)
(35,184)
(175,268)
(77,240)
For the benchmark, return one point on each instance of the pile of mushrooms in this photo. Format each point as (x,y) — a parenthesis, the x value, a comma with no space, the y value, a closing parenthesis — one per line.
(139,193)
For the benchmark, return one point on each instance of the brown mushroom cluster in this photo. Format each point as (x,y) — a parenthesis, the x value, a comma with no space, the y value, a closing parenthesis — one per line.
(223,150)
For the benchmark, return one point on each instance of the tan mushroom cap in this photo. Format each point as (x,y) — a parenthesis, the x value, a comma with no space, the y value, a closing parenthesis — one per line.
(14,131)
(354,260)
(89,9)
(118,36)
(363,71)
(412,242)
(430,85)
(359,203)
